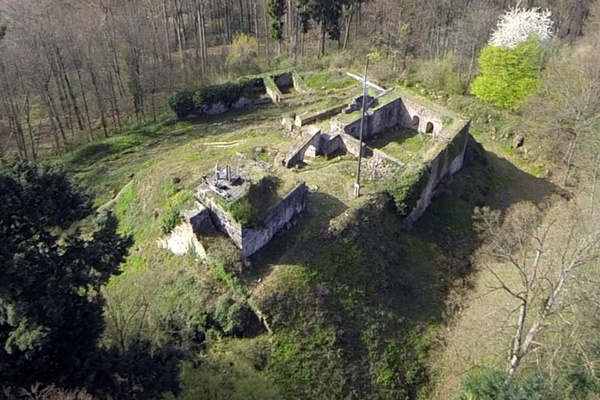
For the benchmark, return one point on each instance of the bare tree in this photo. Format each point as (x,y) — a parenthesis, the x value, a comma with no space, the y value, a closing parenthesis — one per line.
(533,260)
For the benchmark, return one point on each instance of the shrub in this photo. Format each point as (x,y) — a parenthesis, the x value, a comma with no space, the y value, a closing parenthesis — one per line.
(508,76)
(241,211)
(441,75)
(226,93)
(250,210)
(243,54)
(406,189)
(182,103)
(494,385)
(170,220)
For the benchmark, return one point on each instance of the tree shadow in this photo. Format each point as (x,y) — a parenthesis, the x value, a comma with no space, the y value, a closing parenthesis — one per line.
(386,286)
(291,246)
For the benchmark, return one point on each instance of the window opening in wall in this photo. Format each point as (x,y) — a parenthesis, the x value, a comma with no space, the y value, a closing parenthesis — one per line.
(415,123)
(429,128)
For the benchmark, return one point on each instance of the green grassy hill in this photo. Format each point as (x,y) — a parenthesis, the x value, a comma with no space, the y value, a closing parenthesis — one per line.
(354,300)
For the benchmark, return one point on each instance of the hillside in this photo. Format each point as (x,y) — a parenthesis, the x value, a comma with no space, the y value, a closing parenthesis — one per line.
(355,302)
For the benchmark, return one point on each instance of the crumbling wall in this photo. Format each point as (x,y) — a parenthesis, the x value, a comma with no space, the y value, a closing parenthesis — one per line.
(183,238)
(352,145)
(220,217)
(299,83)
(424,113)
(293,204)
(272,90)
(296,156)
(309,118)
(445,159)
(332,143)
(380,155)
(249,241)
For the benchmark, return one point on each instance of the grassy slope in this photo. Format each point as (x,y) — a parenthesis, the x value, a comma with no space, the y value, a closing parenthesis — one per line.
(354,301)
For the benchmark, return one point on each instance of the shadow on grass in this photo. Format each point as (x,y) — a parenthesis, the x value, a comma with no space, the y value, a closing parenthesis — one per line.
(92,153)
(384,289)
(292,246)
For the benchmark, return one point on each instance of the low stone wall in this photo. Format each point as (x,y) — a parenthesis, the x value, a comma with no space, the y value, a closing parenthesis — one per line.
(299,83)
(291,205)
(272,90)
(309,118)
(445,158)
(380,155)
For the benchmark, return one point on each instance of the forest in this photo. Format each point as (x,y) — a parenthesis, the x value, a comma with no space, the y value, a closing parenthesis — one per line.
(493,294)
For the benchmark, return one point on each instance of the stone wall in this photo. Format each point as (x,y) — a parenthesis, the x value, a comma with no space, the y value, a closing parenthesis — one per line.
(403,111)
(444,159)
(291,205)
(309,118)
(296,156)
(352,145)
(424,114)
(272,90)
(220,218)
(249,241)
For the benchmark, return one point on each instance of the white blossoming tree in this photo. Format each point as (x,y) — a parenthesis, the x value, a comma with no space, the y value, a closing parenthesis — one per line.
(510,64)
(517,25)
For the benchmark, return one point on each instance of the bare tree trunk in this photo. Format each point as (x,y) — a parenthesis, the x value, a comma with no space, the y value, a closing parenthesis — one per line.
(85,103)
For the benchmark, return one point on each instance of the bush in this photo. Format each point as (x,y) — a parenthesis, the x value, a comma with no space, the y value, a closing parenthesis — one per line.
(241,211)
(226,93)
(441,75)
(493,385)
(508,76)
(250,210)
(243,54)
(170,220)
(406,189)
(182,103)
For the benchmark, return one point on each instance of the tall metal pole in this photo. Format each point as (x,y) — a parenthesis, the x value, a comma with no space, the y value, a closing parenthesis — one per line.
(362,127)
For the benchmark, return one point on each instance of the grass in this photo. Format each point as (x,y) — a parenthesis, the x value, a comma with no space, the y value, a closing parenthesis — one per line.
(402,144)
(354,300)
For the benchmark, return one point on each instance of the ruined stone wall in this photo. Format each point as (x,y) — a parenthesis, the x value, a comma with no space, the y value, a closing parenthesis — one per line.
(399,112)
(378,120)
(293,204)
(380,155)
(384,118)
(309,118)
(445,158)
(272,90)
(332,143)
(425,115)
(351,144)
(296,156)
(249,241)
(221,218)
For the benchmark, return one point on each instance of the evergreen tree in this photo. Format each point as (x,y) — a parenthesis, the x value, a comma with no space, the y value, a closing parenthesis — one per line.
(50,277)
(327,14)
(277,10)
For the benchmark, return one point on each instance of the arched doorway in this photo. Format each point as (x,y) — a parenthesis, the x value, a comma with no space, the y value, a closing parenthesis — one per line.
(429,128)
(415,123)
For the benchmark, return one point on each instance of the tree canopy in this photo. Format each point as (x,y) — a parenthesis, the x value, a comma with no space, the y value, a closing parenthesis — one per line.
(56,253)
